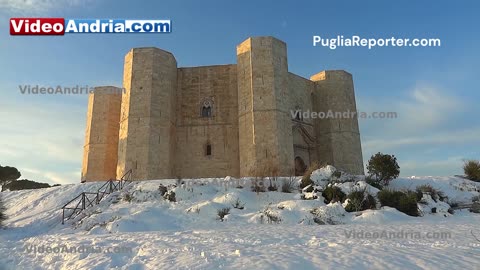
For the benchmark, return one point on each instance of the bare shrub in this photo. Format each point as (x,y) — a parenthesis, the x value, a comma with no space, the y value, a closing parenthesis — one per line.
(127,197)
(163,189)
(237,204)
(288,185)
(170,196)
(471,168)
(259,174)
(222,213)
(428,189)
(306,180)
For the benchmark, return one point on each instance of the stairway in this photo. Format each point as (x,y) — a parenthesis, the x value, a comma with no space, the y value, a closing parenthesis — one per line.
(88,199)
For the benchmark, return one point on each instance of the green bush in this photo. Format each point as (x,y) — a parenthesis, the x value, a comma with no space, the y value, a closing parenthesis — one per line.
(405,202)
(471,168)
(383,168)
(359,201)
(372,182)
(428,189)
(333,194)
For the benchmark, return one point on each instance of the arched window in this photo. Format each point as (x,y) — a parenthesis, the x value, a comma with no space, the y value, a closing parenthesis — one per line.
(208,150)
(207,108)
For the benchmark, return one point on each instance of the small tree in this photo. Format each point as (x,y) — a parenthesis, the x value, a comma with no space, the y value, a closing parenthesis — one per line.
(8,174)
(471,168)
(383,168)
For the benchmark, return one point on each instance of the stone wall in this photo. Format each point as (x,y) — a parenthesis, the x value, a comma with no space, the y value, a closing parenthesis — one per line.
(264,113)
(218,86)
(300,98)
(338,139)
(101,134)
(147,124)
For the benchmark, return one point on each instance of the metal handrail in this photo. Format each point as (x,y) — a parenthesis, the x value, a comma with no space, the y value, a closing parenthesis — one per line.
(85,201)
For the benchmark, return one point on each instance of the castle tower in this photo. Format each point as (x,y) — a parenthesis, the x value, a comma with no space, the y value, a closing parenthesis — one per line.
(101,136)
(147,123)
(265,130)
(338,139)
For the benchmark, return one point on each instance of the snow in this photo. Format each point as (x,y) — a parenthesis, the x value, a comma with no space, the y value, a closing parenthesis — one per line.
(266,230)
(457,189)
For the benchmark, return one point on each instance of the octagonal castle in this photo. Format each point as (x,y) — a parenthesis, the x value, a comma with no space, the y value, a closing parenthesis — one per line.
(214,121)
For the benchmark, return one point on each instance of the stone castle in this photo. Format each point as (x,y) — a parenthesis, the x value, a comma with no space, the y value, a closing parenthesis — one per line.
(214,121)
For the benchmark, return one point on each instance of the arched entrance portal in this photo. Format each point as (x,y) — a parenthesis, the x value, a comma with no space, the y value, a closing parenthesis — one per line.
(300,166)
(303,147)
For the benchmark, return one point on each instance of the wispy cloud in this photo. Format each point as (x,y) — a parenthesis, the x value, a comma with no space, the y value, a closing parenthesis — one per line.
(431,121)
(424,108)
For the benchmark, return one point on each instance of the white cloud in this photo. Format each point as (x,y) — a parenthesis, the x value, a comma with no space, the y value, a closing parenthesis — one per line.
(425,116)
(447,137)
(43,140)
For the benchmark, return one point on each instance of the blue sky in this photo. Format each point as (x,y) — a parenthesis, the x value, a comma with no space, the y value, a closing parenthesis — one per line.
(434,90)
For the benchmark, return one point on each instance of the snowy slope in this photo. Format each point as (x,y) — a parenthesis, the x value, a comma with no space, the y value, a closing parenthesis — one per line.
(188,234)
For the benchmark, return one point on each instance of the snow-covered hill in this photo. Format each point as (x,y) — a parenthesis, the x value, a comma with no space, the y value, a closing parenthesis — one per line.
(137,228)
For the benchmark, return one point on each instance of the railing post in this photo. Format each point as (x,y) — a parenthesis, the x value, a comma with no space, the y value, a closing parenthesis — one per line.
(110,187)
(83,200)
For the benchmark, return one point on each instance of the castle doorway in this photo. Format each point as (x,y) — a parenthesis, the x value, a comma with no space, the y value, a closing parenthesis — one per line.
(300,166)
(303,147)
